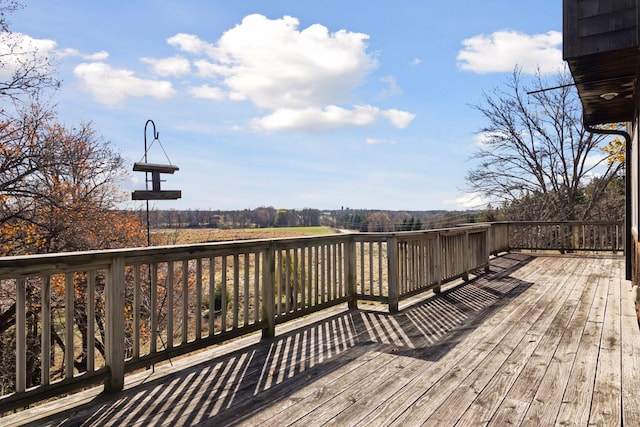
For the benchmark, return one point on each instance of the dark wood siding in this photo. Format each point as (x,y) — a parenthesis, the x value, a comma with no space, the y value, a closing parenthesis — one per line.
(594,26)
(600,44)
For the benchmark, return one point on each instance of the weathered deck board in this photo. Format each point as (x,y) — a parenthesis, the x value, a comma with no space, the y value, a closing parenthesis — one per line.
(543,363)
(540,340)
(444,403)
(607,387)
(540,337)
(576,402)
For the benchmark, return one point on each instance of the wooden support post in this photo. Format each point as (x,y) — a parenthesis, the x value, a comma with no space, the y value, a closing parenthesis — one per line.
(268,298)
(392,262)
(68,325)
(350,268)
(438,261)
(487,242)
(466,255)
(114,327)
(153,304)
(91,320)
(21,337)
(45,337)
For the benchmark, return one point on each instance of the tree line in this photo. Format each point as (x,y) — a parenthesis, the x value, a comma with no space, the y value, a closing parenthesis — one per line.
(352,219)
(261,217)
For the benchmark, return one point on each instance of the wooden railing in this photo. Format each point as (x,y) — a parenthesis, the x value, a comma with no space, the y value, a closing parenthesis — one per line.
(570,236)
(391,267)
(112,312)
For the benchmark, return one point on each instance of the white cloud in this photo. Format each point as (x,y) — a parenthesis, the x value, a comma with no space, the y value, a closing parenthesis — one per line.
(71,52)
(300,75)
(502,51)
(112,86)
(400,119)
(375,141)
(275,65)
(189,43)
(416,61)
(67,52)
(17,49)
(468,201)
(393,88)
(595,160)
(330,117)
(207,92)
(208,69)
(482,139)
(97,56)
(173,66)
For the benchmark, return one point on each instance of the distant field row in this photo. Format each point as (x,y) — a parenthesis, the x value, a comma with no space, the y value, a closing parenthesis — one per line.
(201,235)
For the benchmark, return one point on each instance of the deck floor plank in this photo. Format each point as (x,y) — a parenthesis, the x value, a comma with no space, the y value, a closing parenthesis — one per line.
(540,340)
(517,343)
(606,407)
(456,349)
(448,362)
(576,401)
(559,339)
(630,357)
(422,349)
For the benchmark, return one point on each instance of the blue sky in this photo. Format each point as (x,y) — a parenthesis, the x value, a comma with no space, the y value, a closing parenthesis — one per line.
(293,104)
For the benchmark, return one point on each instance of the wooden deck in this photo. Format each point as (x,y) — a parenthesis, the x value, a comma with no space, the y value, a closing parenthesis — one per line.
(540,340)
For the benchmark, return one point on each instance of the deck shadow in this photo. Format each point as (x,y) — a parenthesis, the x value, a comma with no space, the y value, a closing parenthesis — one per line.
(429,328)
(227,389)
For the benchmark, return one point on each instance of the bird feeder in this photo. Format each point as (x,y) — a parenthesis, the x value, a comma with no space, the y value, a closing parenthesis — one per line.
(155,193)
(155,169)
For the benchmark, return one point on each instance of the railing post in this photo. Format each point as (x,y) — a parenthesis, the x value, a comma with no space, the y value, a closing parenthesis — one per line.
(68,333)
(487,254)
(392,263)
(350,267)
(268,298)
(21,334)
(114,327)
(438,266)
(466,256)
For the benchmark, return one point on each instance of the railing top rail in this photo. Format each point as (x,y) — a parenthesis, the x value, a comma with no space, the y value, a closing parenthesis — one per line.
(620,223)
(22,265)
(25,265)
(383,236)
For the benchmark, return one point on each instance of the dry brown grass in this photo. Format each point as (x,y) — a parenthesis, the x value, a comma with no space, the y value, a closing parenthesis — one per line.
(201,235)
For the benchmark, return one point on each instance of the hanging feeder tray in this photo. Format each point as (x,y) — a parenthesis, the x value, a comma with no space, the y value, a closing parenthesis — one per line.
(155,193)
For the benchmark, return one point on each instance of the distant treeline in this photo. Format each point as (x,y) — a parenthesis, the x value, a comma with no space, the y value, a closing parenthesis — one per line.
(345,218)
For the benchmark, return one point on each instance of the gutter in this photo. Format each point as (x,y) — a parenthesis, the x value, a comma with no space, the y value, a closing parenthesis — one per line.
(627,191)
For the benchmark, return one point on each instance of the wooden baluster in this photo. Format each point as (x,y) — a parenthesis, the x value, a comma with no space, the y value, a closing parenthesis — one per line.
(21,337)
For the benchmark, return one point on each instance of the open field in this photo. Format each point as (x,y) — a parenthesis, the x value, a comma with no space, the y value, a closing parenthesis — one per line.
(201,235)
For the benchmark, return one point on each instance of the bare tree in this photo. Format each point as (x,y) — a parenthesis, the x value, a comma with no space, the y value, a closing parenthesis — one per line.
(58,191)
(25,71)
(535,158)
(380,222)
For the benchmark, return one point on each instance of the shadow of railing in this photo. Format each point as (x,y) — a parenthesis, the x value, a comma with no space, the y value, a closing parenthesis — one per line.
(229,388)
